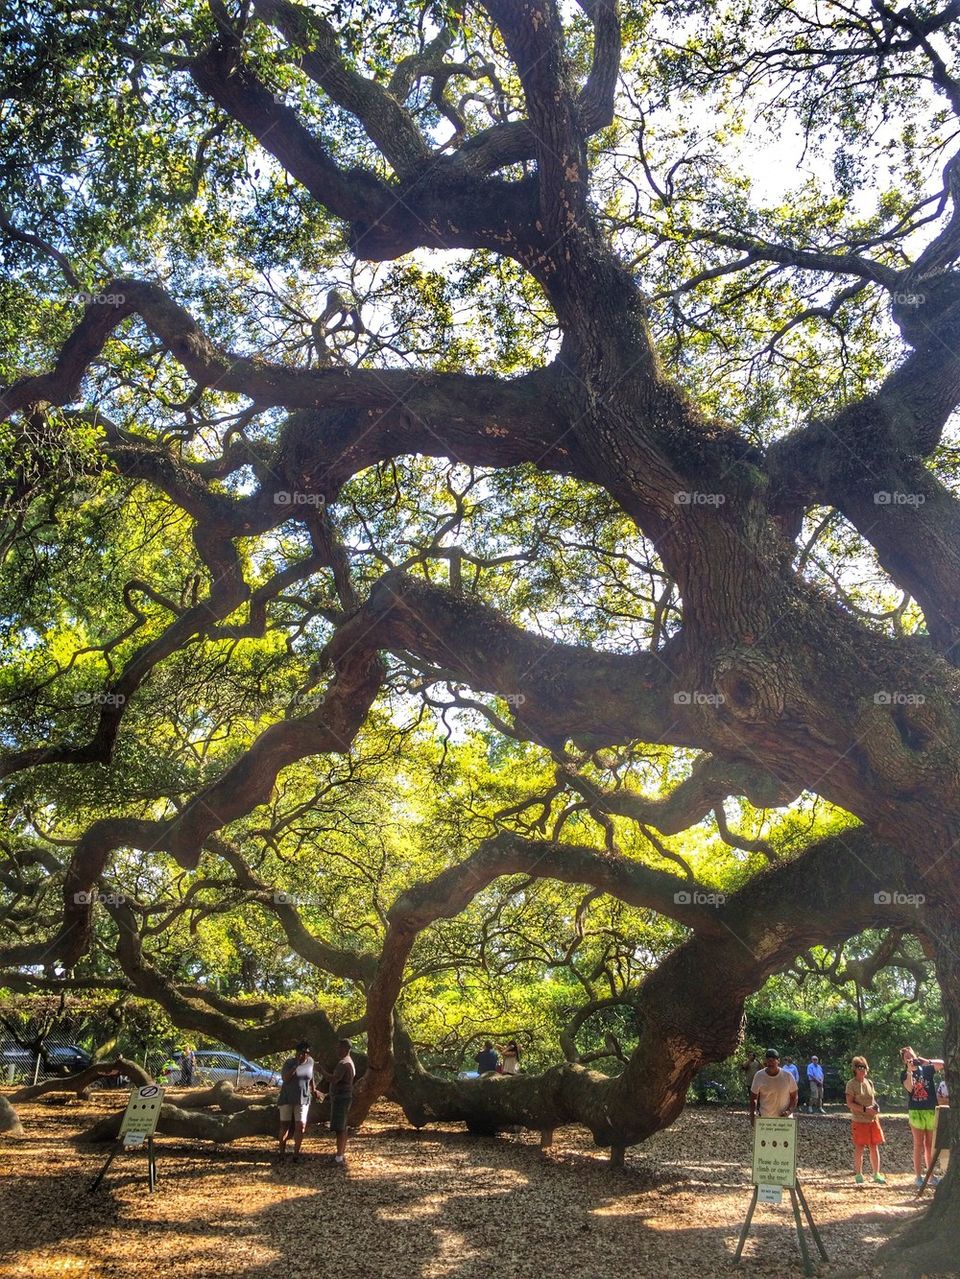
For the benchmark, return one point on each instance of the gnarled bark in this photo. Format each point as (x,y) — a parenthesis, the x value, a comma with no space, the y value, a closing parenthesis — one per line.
(10,1125)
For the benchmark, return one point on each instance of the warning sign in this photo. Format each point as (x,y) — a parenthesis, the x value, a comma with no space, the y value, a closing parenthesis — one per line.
(142,1113)
(775,1152)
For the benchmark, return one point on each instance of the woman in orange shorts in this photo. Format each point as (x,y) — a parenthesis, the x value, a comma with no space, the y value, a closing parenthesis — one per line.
(867,1133)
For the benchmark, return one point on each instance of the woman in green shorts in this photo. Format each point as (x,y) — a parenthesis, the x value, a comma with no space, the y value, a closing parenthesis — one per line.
(917,1080)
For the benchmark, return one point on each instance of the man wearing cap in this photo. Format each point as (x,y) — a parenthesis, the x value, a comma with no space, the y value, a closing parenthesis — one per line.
(294,1099)
(774,1091)
(815,1080)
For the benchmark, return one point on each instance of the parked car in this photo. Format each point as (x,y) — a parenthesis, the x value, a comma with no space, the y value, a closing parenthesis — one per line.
(705,1089)
(214,1064)
(834,1084)
(56,1059)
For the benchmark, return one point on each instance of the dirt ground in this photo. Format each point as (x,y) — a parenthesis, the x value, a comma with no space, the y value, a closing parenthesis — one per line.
(435,1205)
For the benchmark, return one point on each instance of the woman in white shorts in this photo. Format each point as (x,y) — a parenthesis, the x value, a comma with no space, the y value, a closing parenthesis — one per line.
(296,1092)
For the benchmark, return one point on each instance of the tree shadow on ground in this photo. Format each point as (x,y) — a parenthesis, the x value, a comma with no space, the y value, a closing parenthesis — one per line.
(437,1203)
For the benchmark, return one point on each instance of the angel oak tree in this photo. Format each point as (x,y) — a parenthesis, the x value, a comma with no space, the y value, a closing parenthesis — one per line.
(634,275)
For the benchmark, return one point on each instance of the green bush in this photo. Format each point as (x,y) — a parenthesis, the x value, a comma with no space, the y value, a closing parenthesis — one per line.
(837,1037)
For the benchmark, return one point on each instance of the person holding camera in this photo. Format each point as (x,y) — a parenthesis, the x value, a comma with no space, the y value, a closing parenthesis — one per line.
(866,1131)
(917,1081)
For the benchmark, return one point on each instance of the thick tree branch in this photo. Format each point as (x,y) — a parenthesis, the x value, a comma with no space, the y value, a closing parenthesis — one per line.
(689,1009)
(866,462)
(436,204)
(350,964)
(710,782)
(389,126)
(596,698)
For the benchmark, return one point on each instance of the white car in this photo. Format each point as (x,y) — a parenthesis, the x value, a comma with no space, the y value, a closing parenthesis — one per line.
(214,1065)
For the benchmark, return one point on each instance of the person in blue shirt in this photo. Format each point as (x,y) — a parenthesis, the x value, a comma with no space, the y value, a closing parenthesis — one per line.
(790,1066)
(815,1080)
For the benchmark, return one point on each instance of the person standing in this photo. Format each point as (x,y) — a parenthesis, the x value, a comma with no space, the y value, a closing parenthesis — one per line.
(917,1081)
(865,1127)
(487,1059)
(749,1069)
(188,1064)
(790,1066)
(341,1095)
(773,1092)
(511,1059)
(815,1082)
(294,1099)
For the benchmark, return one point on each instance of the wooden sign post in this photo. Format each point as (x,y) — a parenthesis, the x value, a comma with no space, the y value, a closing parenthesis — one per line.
(775,1169)
(137,1127)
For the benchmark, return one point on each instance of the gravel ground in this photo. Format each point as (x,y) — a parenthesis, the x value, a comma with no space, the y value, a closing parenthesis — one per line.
(436,1205)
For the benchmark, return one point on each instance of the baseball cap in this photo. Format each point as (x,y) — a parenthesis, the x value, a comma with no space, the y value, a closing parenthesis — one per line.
(770,1053)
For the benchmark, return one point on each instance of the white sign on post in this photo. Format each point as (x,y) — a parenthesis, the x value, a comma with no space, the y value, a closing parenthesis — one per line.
(775,1153)
(140,1118)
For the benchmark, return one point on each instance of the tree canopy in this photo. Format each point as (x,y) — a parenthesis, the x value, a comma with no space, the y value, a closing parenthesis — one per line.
(480,527)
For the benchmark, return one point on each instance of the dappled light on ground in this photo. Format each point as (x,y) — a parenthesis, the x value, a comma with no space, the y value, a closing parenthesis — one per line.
(440,1203)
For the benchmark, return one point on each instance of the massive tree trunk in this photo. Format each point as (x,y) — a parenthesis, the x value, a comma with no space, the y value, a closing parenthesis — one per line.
(183,1116)
(689,1009)
(932,1245)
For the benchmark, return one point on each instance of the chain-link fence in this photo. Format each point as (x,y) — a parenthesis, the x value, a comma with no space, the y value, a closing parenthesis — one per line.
(32,1052)
(35,1048)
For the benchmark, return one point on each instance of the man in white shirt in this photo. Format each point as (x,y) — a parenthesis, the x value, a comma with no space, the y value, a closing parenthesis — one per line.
(774,1091)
